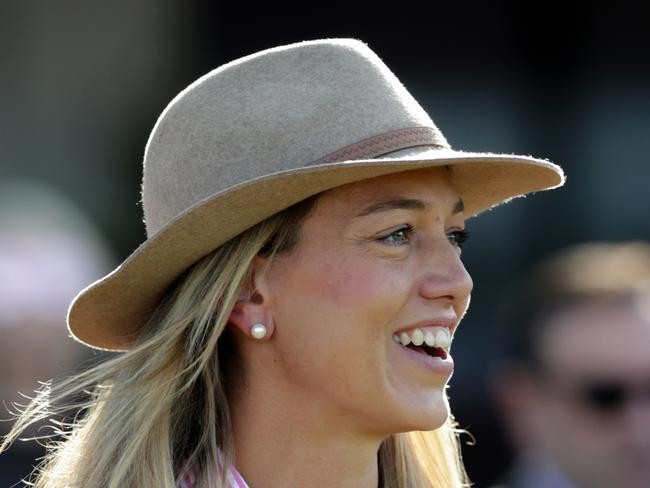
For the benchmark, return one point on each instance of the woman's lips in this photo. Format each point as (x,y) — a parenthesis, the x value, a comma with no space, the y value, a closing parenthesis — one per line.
(437,365)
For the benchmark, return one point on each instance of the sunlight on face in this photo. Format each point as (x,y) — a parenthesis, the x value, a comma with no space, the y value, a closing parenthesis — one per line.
(375,257)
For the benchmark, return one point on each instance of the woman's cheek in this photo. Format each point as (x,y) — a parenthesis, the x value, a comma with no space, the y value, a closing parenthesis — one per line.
(358,283)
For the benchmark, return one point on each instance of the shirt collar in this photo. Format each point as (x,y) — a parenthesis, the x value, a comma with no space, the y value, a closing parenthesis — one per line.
(191,473)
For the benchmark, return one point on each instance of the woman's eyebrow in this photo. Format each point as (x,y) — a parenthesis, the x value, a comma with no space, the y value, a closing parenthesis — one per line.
(405,203)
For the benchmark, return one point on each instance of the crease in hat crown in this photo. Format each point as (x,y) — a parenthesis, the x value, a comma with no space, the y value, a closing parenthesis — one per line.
(275,110)
(261,133)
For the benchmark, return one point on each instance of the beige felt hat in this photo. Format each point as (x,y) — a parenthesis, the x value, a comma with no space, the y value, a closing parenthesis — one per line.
(261,133)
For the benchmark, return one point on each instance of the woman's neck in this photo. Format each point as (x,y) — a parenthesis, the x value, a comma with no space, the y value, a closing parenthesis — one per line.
(285,441)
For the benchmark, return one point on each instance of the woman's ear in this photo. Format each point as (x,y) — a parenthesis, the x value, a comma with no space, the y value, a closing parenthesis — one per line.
(252,311)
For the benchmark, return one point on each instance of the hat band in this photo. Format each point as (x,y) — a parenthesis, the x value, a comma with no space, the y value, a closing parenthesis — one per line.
(383,144)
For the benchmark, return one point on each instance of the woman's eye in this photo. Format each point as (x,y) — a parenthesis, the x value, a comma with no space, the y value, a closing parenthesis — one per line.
(458,237)
(398,237)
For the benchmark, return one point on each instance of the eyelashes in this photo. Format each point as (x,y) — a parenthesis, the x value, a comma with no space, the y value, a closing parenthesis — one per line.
(404,235)
(398,237)
(458,237)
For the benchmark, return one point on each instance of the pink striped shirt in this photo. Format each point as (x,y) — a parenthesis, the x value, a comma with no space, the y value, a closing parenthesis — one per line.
(190,475)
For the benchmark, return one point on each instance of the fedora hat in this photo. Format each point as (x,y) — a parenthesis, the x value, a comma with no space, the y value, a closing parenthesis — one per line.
(260,134)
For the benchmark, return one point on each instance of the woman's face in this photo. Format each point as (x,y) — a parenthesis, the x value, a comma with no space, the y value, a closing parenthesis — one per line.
(375,259)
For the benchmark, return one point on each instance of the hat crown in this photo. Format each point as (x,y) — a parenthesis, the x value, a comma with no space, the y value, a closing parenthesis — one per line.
(275,110)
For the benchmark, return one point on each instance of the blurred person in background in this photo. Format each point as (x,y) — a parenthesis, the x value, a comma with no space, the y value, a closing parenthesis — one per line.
(47,251)
(573,386)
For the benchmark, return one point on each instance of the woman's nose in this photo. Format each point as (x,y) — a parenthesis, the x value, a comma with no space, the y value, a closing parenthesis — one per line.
(444,275)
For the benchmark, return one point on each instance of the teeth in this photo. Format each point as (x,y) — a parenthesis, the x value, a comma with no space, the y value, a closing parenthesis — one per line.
(417,337)
(438,338)
(442,339)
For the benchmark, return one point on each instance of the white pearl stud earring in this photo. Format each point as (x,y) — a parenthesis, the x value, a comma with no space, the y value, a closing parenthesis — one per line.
(258,331)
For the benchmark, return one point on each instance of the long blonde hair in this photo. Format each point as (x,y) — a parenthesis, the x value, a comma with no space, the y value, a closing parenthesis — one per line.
(144,414)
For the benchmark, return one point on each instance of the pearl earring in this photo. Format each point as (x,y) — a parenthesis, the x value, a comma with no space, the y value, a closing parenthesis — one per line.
(258,331)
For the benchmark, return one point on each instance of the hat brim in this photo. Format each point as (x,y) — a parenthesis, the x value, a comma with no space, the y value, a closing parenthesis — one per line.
(108,313)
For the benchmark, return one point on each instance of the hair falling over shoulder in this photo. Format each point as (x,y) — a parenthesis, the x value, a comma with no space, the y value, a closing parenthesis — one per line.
(143,414)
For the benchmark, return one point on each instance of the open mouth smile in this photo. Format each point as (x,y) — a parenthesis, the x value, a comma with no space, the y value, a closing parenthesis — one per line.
(429,346)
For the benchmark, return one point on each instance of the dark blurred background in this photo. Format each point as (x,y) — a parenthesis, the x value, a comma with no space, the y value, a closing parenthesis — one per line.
(84,81)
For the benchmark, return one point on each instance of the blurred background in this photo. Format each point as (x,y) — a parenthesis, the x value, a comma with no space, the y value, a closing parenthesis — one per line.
(84,81)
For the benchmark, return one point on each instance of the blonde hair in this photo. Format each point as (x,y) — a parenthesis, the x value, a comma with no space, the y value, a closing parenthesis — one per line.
(145,413)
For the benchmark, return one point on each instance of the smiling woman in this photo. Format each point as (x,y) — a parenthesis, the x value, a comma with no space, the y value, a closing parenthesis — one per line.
(292,310)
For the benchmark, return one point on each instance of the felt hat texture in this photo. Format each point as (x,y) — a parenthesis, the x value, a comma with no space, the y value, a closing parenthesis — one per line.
(260,134)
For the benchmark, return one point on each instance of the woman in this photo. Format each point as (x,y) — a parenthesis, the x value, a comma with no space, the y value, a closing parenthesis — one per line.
(292,308)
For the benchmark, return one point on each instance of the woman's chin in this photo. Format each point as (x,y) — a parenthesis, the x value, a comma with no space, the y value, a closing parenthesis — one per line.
(431,422)
(424,416)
